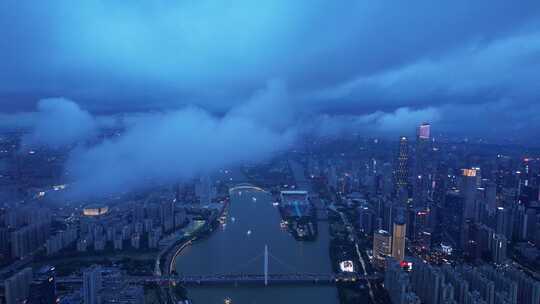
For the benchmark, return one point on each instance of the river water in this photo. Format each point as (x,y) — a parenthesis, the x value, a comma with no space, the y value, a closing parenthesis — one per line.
(233,250)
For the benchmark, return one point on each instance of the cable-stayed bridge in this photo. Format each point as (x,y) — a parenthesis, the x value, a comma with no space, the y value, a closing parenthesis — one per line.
(239,278)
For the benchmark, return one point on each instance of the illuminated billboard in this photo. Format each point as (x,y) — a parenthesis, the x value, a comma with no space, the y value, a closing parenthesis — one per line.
(346,266)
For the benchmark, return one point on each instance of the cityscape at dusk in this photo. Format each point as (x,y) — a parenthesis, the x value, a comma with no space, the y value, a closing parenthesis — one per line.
(270,151)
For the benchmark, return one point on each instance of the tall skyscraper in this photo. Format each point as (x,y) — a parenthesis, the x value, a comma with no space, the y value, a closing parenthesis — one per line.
(402,165)
(92,285)
(467,188)
(423,132)
(441,184)
(398,241)
(498,248)
(423,176)
(504,222)
(491,197)
(382,242)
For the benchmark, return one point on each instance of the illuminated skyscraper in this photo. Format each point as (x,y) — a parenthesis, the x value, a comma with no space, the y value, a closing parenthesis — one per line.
(423,175)
(382,242)
(467,188)
(402,164)
(423,131)
(398,241)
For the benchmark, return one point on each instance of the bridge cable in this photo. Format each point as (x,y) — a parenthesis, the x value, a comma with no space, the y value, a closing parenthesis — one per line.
(249,262)
(290,267)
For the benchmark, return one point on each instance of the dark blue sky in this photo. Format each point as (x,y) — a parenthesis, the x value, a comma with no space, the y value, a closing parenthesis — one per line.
(281,66)
(111,56)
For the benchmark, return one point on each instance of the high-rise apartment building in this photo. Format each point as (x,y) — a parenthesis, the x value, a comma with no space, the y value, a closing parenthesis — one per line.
(17,287)
(92,285)
(498,248)
(382,244)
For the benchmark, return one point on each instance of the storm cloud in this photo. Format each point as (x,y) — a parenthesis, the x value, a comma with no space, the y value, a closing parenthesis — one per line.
(113,56)
(186,79)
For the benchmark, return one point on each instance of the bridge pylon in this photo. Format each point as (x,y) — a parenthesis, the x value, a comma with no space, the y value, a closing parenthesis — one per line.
(265,265)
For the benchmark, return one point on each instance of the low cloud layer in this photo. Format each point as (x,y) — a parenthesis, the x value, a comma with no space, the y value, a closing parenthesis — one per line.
(166,147)
(219,76)
(172,146)
(175,145)
(403,121)
(58,123)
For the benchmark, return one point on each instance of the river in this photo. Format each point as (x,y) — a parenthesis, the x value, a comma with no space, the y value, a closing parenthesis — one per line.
(233,250)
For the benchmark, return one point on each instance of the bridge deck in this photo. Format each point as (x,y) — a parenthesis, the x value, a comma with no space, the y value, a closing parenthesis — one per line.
(260,279)
(255,279)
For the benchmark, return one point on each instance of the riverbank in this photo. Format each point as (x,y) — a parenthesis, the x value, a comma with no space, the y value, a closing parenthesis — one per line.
(167,265)
(196,229)
(253,222)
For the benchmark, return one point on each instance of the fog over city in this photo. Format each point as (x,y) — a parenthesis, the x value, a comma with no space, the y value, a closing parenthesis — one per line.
(268,71)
